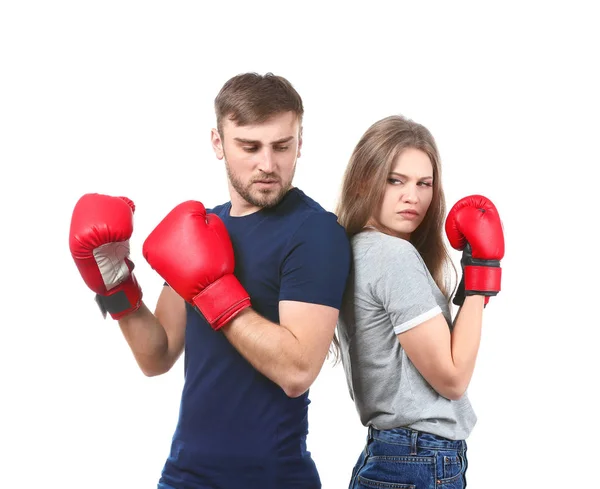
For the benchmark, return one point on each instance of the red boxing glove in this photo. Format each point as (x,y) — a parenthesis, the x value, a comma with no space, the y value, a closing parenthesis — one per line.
(101,226)
(192,252)
(473,226)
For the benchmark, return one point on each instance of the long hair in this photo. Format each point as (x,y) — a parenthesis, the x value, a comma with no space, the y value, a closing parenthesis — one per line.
(364,185)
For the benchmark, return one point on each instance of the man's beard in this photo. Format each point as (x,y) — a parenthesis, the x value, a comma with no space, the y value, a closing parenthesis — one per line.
(264,199)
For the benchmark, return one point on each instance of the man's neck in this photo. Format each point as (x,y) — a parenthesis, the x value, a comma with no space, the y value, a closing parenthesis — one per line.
(239,206)
(243,208)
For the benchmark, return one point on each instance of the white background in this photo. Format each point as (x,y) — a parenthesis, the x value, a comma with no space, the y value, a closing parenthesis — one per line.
(116,97)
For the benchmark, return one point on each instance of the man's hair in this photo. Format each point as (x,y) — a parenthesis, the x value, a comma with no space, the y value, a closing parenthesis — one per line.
(251,98)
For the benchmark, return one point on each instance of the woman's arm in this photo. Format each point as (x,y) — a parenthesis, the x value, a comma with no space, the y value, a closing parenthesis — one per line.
(447,360)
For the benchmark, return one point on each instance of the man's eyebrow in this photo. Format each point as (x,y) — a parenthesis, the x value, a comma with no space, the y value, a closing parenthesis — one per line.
(284,140)
(252,141)
(245,141)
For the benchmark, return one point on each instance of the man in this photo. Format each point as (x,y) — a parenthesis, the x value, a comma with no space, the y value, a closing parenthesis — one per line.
(255,336)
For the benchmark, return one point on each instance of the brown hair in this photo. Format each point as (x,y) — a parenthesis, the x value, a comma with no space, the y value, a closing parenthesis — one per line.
(251,98)
(364,185)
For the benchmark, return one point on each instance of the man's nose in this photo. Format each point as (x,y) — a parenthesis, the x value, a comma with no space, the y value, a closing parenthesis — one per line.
(267,161)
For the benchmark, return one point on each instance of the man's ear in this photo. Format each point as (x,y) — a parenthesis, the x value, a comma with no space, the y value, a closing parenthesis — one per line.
(217,143)
(299,142)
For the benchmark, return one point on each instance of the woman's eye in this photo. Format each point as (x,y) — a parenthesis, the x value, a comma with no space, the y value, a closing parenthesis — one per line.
(394,181)
(426,184)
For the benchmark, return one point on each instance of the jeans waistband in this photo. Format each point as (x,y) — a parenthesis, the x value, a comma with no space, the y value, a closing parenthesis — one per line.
(415,439)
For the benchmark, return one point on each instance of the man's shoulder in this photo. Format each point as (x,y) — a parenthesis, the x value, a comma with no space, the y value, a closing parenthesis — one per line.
(303,202)
(309,213)
(304,207)
(308,221)
(219,209)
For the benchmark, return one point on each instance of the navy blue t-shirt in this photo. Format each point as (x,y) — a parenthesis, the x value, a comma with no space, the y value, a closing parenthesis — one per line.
(238,429)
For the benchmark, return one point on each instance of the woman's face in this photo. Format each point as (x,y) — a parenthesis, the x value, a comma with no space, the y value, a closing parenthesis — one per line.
(408,193)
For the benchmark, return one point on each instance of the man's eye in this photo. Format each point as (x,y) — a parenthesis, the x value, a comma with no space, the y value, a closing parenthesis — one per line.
(250,149)
(281,148)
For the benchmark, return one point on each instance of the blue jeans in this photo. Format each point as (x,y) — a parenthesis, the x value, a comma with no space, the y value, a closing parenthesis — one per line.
(407,459)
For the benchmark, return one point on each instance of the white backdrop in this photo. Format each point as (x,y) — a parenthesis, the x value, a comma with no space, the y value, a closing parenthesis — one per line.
(116,97)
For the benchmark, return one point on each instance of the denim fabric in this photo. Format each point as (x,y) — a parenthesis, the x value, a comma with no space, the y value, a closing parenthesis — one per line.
(407,459)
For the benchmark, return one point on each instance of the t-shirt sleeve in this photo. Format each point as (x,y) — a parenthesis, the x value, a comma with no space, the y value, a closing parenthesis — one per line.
(317,262)
(401,283)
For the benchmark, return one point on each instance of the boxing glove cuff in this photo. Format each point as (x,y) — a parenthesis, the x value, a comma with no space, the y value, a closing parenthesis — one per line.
(482,280)
(221,301)
(122,300)
(459,297)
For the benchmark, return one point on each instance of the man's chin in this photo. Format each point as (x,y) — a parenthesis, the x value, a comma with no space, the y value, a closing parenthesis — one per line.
(268,198)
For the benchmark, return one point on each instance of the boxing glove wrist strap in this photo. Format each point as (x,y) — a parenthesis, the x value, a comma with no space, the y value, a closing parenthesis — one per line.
(459,298)
(482,280)
(221,301)
(122,300)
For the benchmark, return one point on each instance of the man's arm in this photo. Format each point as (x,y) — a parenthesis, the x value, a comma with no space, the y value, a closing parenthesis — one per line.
(191,250)
(292,353)
(156,340)
(101,226)
(313,279)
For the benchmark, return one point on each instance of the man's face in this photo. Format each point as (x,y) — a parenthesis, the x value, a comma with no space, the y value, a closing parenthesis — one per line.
(260,159)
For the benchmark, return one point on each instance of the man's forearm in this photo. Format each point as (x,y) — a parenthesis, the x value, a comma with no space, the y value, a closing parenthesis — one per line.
(271,348)
(147,339)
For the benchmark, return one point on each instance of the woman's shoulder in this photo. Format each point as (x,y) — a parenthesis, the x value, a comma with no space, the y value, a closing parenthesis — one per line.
(380,252)
(376,242)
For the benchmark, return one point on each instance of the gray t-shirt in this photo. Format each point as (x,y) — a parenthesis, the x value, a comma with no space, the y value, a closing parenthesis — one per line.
(390,290)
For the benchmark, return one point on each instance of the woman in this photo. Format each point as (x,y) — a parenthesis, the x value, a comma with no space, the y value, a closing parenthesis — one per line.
(407,364)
